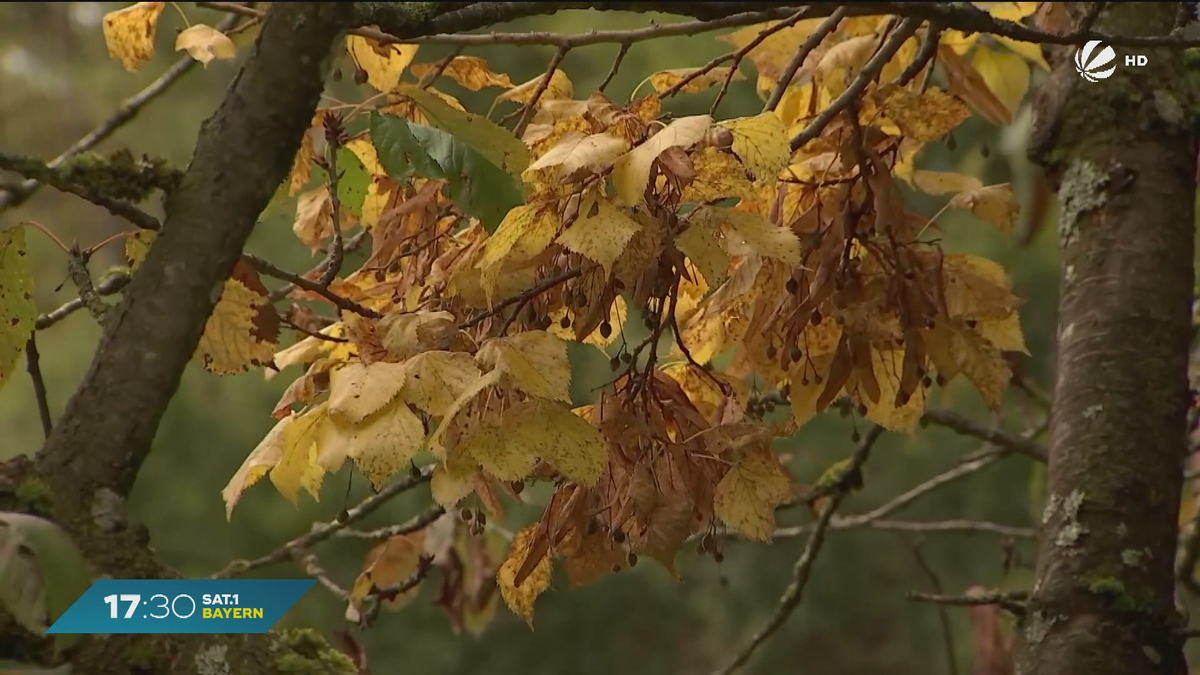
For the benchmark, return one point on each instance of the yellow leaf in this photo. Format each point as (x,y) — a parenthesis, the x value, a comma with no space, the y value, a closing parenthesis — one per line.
(540,428)
(700,244)
(806,384)
(436,379)
(521,599)
(601,232)
(994,204)
(923,117)
(298,465)
(559,88)
(524,233)
(762,143)
(314,217)
(129,33)
(631,172)
(380,445)
(471,72)
(944,182)
(384,64)
(534,362)
(303,163)
(976,288)
(665,79)
(357,390)
(719,175)
(389,564)
(243,329)
(575,151)
(754,233)
(841,63)
(406,334)
(746,497)
(1008,11)
(489,139)
(17,309)
(1030,50)
(984,365)
(454,478)
(137,245)
(1005,73)
(1004,334)
(888,366)
(262,459)
(205,43)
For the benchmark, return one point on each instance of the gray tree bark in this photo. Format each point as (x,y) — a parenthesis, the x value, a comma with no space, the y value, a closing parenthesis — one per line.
(1122,154)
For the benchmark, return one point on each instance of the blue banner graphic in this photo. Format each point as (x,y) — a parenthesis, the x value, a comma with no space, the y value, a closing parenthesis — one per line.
(182,606)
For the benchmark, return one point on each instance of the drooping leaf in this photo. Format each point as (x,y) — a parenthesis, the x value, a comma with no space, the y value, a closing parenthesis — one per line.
(129,33)
(243,330)
(17,309)
(300,464)
(748,494)
(601,232)
(632,171)
(205,43)
(436,379)
(477,132)
(923,117)
(994,204)
(471,72)
(357,390)
(558,88)
(137,245)
(762,143)
(520,599)
(382,444)
(666,79)
(389,564)
(534,362)
(383,63)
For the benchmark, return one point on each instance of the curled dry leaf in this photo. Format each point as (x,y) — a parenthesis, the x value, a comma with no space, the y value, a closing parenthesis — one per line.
(205,43)
(664,80)
(243,330)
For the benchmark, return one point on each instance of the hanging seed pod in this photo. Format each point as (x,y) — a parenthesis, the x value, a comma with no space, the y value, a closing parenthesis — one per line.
(605,329)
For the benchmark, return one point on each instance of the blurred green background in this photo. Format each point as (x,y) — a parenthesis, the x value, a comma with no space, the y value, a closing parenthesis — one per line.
(57,82)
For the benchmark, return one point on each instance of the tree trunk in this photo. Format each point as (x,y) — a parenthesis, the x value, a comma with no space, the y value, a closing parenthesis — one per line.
(1122,155)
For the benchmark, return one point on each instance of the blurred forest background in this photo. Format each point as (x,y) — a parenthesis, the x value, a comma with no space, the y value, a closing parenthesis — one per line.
(57,82)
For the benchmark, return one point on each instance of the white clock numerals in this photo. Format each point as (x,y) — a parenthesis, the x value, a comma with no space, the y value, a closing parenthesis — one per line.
(165,606)
(112,600)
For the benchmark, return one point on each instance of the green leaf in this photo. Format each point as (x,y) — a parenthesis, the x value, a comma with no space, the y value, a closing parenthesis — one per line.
(17,311)
(476,185)
(486,137)
(352,187)
(41,571)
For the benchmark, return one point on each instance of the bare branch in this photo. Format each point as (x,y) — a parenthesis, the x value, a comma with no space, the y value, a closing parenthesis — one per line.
(298,281)
(415,524)
(324,531)
(109,285)
(968,427)
(917,527)
(33,362)
(803,567)
(1011,602)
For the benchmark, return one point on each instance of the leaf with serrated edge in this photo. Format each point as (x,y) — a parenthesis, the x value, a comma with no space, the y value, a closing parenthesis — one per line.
(357,390)
(994,204)
(17,310)
(243,329)
(298,465)
(631,172)
(534,362)
(762,143)
(665,79)
(382,444)
(576,151)
(699,242)
(436,379)
(746,497)
(454,478)
(601,232)
(521,599)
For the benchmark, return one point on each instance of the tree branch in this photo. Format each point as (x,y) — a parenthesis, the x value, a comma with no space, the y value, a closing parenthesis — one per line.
(242,154)
(1001,439)
(42,173)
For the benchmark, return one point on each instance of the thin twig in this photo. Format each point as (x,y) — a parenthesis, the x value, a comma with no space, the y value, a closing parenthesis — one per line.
(324,531)
(419,522)
(352,245)
(927,53)
(312,567)
(803,567)
(969,427)
(916,527)
(312,286)
(527,111)
(33,361)
(439,68)
(740,54)
(1011,602)
(943,615)
(523,297)
(612,72)
(869,72)
(337,247)
(785,79)
(126,111)
(109,285)
(77,267)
